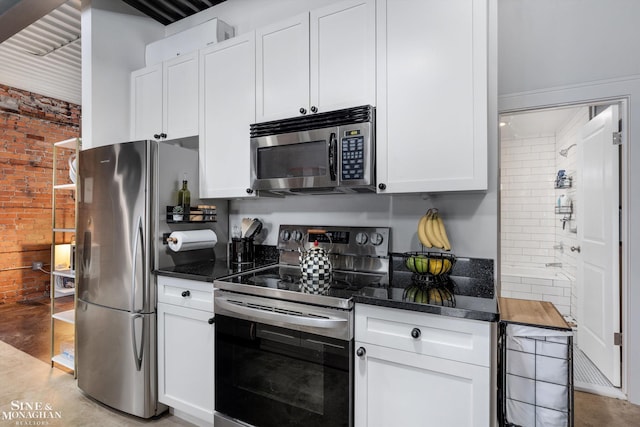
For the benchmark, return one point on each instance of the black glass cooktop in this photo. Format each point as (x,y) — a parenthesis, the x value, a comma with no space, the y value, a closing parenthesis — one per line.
(340,285)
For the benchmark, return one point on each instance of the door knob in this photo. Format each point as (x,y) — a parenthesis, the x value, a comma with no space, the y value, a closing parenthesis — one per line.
(575,249)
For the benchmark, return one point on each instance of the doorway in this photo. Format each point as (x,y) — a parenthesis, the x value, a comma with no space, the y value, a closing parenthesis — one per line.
(550,209)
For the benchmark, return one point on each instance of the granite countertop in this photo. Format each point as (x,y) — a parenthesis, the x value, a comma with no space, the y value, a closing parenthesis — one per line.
(208,271)
(475,308)
(473,279)
(473,285)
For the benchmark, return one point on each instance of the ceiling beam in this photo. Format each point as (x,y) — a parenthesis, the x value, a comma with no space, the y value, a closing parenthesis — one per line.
(23,14)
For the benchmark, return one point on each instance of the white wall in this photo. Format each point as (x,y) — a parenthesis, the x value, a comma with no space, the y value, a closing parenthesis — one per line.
(469,218)
(574,51)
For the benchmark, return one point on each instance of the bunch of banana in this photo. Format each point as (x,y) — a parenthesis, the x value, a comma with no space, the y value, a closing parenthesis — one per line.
(431,231)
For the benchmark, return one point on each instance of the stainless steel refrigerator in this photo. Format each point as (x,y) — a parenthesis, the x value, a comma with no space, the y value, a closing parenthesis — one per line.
(120,201)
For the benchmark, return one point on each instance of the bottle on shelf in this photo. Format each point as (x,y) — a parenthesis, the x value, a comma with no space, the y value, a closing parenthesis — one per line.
(184,197)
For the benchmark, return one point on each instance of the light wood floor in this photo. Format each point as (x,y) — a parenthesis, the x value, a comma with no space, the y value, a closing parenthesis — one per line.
(26,326)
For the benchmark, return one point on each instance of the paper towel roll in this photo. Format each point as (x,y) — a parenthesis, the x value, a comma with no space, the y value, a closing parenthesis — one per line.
(191,240)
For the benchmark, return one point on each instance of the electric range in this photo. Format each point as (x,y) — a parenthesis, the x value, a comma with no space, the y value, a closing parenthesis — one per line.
(359,258)
(284,351)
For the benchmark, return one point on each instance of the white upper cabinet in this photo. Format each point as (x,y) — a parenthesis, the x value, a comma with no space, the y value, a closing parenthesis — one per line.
(432,95)
(227,108)
(282,68)
(164,99)
(146,102)
(343,55)
(316,62)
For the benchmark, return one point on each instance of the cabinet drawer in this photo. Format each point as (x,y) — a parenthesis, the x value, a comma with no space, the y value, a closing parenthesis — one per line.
(446,337)
(185,293)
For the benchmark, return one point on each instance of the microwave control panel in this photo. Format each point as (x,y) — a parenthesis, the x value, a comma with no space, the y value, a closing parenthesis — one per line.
(352,156)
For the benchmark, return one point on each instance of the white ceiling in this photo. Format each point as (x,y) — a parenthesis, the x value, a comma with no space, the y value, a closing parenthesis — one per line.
(534,124)
(45,57)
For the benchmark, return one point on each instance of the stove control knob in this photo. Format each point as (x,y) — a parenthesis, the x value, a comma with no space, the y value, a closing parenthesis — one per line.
(376,239)
(296,235)
(285,235)
(362,238)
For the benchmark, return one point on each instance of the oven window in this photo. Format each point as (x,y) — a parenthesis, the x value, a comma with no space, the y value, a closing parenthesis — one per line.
(293,160)
(275,377)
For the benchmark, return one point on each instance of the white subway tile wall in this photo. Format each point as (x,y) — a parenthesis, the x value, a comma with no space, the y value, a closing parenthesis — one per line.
(532,233)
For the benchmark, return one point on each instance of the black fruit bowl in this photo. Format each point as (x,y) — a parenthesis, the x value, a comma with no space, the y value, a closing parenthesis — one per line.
(429,262)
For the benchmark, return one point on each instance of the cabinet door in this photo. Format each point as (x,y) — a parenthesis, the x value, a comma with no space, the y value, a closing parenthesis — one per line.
(180,90)
(432,95)
(185,360)
(342,61)
(146,102)
(282,69)
(400,388)
(227,108)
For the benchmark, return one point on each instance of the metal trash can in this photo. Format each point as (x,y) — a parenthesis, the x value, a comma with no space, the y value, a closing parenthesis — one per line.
(536,374)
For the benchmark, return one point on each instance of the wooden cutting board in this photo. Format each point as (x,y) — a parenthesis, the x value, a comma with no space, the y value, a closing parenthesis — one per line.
(538,313)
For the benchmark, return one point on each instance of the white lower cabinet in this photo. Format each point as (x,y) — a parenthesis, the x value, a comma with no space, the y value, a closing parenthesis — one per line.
(408,369)
(186,350)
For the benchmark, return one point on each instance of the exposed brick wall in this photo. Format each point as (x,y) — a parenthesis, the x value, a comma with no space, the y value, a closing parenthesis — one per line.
(29,125)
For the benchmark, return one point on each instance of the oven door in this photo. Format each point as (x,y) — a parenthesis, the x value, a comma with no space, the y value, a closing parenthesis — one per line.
(270,376)
(295,162)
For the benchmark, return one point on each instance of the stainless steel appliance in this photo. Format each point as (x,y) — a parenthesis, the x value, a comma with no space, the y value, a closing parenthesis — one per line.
(119,195)
(284,351)
(320,153)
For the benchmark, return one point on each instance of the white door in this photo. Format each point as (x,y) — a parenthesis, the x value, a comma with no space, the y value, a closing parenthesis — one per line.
(598,282)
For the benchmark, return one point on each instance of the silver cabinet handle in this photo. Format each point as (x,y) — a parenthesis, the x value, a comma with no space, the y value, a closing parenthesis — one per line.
(575,249)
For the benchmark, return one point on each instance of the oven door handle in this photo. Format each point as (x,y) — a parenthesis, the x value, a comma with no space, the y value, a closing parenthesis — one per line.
(258,315)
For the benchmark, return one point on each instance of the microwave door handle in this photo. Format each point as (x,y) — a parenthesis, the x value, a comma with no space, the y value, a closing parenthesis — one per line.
(333,155)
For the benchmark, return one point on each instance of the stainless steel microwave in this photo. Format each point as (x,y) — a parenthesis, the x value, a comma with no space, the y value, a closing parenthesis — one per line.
(320,153)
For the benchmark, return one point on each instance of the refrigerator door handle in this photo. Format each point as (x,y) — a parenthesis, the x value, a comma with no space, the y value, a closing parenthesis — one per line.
(134,269)
(138,355)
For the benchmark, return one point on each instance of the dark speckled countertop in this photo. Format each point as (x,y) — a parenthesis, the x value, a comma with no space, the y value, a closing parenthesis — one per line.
(473,283)
(208,271)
